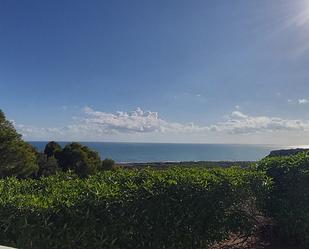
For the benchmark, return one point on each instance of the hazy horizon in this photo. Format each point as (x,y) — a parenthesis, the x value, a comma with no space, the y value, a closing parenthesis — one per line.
(210,72)
(279,146)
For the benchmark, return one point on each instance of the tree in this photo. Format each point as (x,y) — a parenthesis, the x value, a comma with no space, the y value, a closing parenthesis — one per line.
(81,159)
(52,149)
(47,165)
(17,158)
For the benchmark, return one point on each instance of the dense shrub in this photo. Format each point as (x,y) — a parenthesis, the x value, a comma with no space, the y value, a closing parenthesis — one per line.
(288,201)
(107,164)
(287,152)
(174,208)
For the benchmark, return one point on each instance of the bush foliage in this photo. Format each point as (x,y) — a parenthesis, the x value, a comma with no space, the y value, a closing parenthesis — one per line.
(288,199)
(173,208)
(107,164)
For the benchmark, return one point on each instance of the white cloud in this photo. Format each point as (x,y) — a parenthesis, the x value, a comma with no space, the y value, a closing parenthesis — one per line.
(137,121)
(238,114)
(96,125)
(37,132)
(303,101)
(239,123)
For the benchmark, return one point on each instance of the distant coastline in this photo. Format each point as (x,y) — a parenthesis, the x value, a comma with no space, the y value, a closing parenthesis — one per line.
(169,153)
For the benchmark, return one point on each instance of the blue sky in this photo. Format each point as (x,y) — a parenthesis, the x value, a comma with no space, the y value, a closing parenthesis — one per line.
(156,71)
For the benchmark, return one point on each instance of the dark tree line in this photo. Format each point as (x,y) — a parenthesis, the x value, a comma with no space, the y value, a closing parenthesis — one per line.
(20,159)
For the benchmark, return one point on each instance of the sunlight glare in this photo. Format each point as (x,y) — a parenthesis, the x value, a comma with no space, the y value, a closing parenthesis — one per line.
(303,17)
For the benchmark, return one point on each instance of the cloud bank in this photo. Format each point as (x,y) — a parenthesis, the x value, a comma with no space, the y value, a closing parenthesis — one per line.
(137,121)
(98,125)
(239,123)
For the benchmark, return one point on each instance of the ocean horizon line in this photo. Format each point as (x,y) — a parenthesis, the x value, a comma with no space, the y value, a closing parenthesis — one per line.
(188,143)
(129,152)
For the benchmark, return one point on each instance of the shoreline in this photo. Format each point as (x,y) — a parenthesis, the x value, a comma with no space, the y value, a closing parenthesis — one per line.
(207,164)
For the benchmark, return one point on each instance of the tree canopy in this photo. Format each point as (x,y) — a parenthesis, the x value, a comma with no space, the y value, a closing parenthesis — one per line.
(17,158)
(47,165)
(79,158)
(20,159)
(52,149)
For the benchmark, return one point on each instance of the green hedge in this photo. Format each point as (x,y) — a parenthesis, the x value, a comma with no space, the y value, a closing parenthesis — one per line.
(174,208)
(288,200)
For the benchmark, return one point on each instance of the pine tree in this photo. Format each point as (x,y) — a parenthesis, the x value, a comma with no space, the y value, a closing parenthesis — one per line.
(17,158)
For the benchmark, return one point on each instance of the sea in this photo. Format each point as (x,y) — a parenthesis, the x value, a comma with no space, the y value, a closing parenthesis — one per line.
(174,152)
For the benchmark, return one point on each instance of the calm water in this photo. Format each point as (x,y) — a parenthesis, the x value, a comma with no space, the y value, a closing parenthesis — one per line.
(156,152)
